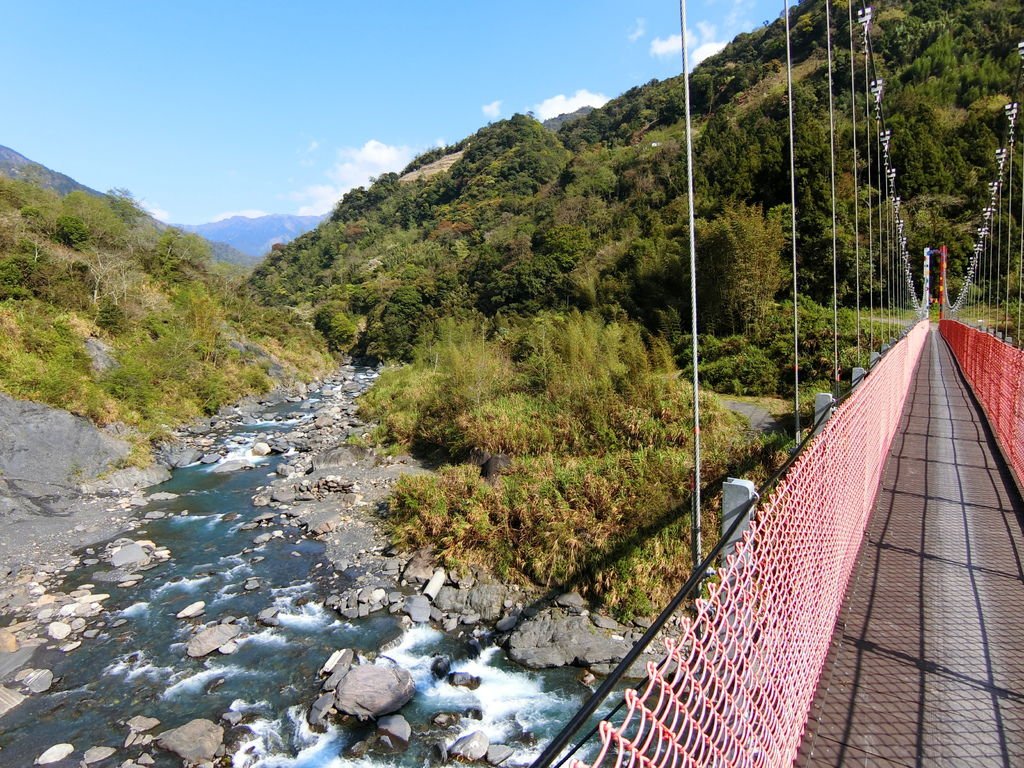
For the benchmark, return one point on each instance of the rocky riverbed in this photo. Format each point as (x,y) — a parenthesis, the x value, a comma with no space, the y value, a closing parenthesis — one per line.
(251,612)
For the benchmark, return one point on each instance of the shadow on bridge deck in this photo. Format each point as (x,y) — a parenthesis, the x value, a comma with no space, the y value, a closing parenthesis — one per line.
(926,666)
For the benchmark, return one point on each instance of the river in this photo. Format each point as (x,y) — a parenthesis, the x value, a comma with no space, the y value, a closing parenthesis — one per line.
(136,663)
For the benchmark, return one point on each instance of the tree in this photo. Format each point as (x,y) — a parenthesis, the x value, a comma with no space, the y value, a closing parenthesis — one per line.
(739,267)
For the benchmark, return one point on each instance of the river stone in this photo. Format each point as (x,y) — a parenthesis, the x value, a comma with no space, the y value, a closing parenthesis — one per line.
(95,754)
(141,723)
(372,691)
(397,727)
(231,466)
(464,680)
(9,700)
(196,741)
(55,754)
(418,608)
(334,659)
(420,568)
(189,611)
(260,449)
(499,753)
(38,681)
(58,630)
(212,638)
(129,555)
(471,747)
(552,639)
(8,642)
(339,670)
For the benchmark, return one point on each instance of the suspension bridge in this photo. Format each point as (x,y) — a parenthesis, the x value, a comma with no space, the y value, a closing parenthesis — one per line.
(865,608)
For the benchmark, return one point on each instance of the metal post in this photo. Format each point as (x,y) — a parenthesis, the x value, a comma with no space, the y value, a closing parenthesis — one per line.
(857,376)
(823,402)
(737,496)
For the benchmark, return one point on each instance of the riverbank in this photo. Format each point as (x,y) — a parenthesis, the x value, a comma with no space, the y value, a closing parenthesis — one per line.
(260,560)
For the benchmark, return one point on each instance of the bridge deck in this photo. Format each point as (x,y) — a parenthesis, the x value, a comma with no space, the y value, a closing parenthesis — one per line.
(927,660)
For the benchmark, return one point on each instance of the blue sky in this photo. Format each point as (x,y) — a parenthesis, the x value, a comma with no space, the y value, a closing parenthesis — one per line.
(213,107)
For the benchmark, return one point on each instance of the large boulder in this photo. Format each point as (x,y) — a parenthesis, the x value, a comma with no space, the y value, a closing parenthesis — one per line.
(553,639)
(210,639)
(471,747)
(196,741)
(48,446)
(372,691)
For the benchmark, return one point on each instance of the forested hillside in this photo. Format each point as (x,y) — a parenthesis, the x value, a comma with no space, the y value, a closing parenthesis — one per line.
(105,315)
(540,287)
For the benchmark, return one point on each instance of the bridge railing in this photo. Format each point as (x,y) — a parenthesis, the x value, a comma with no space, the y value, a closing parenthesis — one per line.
(995,371)
(735,687)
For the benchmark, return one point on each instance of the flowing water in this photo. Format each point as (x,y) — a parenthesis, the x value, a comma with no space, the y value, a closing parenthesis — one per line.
(140,667)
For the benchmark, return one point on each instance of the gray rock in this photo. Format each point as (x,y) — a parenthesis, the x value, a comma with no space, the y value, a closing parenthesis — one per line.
(372,691)
(420,567)
(196,741)
(96,754)
(507,624)
(342,658)
(38,681)
(318,712)
(141,724)
(499,753)
(58,630)
(471,747)
(55,754)
(212,638)
(191,610)
(397,728)
(100,354)
(175,455)
(268,617)
(552,639)
(46,446)
(488,600)
(339,670)
(127,479)
(9,700)
(232,466)
(571,601)
(417,608)
(129,555)
(606,622)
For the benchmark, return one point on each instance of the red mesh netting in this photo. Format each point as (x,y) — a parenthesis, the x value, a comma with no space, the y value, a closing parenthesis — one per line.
(736,686)
(995,371)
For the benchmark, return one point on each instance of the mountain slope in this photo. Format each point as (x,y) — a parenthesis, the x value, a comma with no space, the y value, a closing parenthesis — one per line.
(254,236)
(593,216)
(14,165)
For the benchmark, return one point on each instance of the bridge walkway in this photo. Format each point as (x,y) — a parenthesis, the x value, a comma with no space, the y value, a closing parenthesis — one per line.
(926,666)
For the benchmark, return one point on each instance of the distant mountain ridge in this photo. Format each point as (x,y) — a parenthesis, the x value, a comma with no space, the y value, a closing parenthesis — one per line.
(15,165)
(255,236)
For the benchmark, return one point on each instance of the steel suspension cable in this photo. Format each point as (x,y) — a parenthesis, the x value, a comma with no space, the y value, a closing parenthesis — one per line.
(792,192)
(1000,157)
(1020,256)
(856,173)
(832,169)
(865,18)
(696,543)
(1012,114)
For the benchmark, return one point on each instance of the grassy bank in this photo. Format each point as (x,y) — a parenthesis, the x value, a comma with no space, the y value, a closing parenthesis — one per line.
(598,427)
(181,339)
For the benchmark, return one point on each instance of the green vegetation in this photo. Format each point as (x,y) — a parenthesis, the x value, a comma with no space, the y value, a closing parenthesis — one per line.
(183,340)
(539,288)
(598,426)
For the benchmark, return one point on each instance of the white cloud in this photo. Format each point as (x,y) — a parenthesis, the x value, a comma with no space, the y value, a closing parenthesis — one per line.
(493,109)
(562,104)
(156,212)
(663,47)
(638,30)
(705,50)
(248,213)
(355,166)
(701,43)
(314,145)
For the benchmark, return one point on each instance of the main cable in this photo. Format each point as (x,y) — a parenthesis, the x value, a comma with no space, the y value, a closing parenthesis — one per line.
(792,212)
(832,168)
(696,522)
